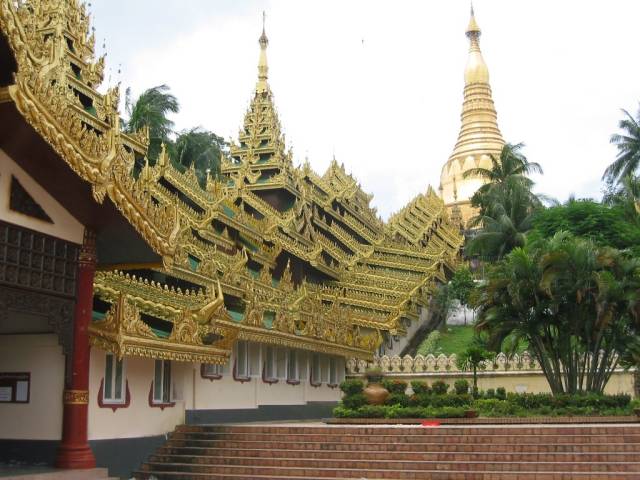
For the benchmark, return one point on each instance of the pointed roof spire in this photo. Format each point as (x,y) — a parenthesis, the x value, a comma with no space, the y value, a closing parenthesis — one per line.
(263,67)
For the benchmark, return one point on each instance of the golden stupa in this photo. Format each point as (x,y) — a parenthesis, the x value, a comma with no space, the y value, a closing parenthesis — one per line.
(479,135)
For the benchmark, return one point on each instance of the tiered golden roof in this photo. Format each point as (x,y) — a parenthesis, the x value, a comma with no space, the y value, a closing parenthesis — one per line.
(266,251)
(479,136)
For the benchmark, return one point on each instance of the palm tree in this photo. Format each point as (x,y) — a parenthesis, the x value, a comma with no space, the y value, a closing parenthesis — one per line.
(505,202)
(472,359)
(628,143)
(575,304)
(625,194)
(201,149)
(150,110)
(507,174)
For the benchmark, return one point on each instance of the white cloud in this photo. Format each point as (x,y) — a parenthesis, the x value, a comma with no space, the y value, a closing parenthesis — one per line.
(380,83)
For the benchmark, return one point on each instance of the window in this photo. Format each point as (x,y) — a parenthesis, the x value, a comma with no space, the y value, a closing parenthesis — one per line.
(211,371)
(333,371)
(242,360)
(324,369)
(248,363)
(270,363)
(293,373)
(114,380)
(281,364)
(162,382)
(255,360)
(316,379)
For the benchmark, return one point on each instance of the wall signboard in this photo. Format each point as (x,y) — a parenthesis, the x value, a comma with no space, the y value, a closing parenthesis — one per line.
(15,387)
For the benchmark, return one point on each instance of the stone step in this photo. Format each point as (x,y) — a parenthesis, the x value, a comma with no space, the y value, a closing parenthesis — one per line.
(284,474)
(477,437)
(280,452)
(406,447)
(482,453)
(212,464)
(611,429)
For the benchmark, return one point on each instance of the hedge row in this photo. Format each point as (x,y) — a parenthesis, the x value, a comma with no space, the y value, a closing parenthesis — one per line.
(433,401)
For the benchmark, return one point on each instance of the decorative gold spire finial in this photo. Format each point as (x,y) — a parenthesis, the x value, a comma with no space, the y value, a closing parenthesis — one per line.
(476,71)
(473,29)
(263,68)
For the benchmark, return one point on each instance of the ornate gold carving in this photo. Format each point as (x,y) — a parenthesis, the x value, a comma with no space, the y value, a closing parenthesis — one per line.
(75,397)
(354,275)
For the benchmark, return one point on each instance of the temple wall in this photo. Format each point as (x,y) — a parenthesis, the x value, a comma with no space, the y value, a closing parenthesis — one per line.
(41,356)
(64,225)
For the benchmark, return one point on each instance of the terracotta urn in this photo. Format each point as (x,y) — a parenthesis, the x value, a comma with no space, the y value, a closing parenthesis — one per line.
(375,393)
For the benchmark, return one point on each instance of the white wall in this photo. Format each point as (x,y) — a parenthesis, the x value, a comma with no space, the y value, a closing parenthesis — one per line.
(41,418)
(190,391)
(138,419)
(64,226)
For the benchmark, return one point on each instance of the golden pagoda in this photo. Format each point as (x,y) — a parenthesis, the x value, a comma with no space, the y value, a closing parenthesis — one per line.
(479,136)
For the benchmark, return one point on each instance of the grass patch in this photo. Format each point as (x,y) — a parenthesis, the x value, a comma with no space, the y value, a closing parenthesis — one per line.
(455,339)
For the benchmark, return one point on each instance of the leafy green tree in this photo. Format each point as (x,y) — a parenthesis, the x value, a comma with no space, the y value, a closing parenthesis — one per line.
(574,303)
(505,202)
(461,286)
(201,149)
(151,110)
(628,142)
(604,224)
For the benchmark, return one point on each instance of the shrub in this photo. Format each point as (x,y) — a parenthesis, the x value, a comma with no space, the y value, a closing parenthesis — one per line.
(354,401)
(342,412)
(397,399)
(420,387)
(501,393)
(372,411)
(439,387)
(395,386)
(452,400)
(461,387)
(352,387)
(420,400)
(490,393)
(493,407)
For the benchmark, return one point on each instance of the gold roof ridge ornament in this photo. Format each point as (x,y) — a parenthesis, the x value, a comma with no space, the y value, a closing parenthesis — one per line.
(479,135)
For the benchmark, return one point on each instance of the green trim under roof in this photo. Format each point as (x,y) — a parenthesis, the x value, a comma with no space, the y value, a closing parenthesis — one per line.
(268,318)
(228,211)
(236,316)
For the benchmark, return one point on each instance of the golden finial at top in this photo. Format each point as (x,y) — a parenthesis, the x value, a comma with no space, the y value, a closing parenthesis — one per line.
(263,68)
(473,29)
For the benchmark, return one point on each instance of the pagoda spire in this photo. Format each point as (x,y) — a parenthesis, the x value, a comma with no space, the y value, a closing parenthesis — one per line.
(479,136)
(263,68)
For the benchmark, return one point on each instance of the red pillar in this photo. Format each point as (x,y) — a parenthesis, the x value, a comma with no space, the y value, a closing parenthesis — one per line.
(74,450)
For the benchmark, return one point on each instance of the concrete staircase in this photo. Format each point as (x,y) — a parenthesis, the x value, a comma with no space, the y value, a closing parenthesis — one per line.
(278,452)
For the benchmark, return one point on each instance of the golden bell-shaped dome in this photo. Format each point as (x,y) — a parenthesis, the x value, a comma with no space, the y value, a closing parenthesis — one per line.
(479,136)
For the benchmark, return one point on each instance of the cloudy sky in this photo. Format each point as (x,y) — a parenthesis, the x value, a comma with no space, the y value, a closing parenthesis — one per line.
(379,83)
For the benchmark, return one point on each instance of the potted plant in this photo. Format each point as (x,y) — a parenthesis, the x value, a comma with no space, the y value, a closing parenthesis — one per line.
(375,393)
